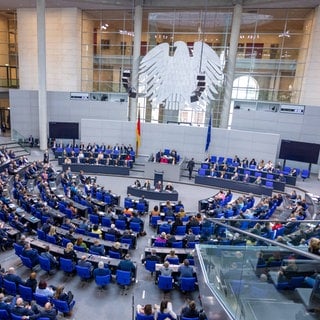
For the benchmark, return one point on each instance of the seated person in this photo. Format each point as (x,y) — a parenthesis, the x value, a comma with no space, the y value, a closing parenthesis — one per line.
(169,187)
(147,185)
(162,238)
(137,184)
(69,253)
(83,262)
(116,247)
(145,310)
(189,237)
(165,270)
(258,181)
(44,290)
(171,255)
(158,186)
(27,311)
(32,282)
(101,270)
(96,230)
(191,311)
(185,270)
(166,307)
(98,248)
(127,265)
(13,277)
(289,271)
(30,253)
(60,294)
(48,312)
(82,244)
(151,257)
(170,240)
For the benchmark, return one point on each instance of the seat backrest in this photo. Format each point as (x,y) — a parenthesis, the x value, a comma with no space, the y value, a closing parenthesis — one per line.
(181,230)
(127,241)
(123,277)
(17,249)
(177,244)
(114,254)
(109,237)
(4,315)
(154,221)
(26,262)
(135,226)
(120,224)
(41,235)
(173,260)
(51,239)
(25,293)
(61,305)
(66,265)
(187,284)
(150,265)
(106,222)
(140,316)
(102,280)
(10,287)
(165,282)
(41,299)
(164,316)
(83,272)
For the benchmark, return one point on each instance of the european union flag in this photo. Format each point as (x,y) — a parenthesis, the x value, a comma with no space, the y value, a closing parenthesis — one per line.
(208,135)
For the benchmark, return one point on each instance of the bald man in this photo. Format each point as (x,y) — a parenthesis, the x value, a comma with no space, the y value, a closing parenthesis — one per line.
(49,312)
(21,309)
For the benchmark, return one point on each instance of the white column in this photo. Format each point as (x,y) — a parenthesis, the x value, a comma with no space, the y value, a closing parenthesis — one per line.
(231,64)
(135,59)
(42,83)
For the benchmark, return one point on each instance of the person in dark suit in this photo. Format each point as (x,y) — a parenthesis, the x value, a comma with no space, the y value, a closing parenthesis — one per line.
(127,265)
(83,262)
(97,247)
(4,305)
(102,270)
(28,311)
(13,277)
(190,167)
(54,263)
(49,312)
(152,257)
(31,253)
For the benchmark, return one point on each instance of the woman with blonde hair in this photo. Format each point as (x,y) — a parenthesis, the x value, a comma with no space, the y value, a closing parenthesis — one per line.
(69,253)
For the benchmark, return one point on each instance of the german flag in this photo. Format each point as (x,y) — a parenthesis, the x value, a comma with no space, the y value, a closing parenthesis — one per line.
(138,133)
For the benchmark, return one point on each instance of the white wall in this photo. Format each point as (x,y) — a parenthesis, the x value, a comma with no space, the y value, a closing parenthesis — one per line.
(297,127)
(188,141)
(25,112)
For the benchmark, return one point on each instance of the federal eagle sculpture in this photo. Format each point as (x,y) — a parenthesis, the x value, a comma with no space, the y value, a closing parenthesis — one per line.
(172,79)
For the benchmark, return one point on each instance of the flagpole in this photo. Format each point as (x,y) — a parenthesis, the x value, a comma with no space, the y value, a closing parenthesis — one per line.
(138,132)
(208,140)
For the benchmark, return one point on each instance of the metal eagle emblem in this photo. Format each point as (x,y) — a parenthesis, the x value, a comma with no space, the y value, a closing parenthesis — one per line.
(174,79)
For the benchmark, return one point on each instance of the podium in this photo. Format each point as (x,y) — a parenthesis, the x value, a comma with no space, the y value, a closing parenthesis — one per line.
(158,176)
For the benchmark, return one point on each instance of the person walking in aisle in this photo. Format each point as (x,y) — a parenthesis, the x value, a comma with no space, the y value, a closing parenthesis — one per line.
(190,167)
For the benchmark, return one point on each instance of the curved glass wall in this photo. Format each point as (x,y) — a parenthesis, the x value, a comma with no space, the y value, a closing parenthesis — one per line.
(257,278)
(272,49)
